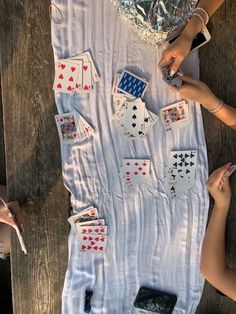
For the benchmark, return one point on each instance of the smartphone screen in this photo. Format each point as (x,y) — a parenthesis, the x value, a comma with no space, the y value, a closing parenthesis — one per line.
(155,301)
(198,40)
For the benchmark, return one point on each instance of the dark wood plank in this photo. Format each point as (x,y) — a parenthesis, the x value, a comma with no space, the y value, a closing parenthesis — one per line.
(33,165)
(2,154)
(218,70)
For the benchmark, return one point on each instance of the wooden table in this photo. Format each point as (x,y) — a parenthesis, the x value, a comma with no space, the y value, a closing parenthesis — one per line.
(33,166)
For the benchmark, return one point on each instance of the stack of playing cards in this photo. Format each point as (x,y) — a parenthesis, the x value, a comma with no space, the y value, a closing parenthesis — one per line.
(174,80)
(134,119)
(75,75)
(91,231)
(134,172)
(175,116)
(180,172)
(227,174)
(72,127)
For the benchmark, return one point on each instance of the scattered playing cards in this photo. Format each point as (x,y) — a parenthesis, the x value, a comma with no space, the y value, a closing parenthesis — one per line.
(77,74)
(72,127)
(227,174)
(134,119)
(174,80)
(91,231)
(175,116)
(180,172)
(134,172)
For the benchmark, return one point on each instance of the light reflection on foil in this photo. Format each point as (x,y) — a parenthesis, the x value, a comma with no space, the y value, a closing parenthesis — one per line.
(155,20)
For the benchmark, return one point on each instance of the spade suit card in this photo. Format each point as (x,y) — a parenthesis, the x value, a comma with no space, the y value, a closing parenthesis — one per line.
(133,118)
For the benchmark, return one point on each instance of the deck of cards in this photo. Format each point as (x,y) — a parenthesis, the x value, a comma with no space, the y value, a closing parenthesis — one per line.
(180,173)
(77,74)
(134,172)
(91,231)
(72,127)
(175,116)
(172,80)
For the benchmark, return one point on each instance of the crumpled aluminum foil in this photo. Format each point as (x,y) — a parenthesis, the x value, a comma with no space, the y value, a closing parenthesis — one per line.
(156,20)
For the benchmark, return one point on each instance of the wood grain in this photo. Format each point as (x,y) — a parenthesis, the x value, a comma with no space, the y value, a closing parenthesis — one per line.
(33,165)
(218,68)
(2,154)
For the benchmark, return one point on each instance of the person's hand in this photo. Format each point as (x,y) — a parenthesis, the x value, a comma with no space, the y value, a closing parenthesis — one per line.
(176,52)
(197,91)
(221,197)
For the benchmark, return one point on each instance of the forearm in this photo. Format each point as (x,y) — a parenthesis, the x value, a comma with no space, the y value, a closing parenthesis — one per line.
(226,114)
(194,25)
(213,248)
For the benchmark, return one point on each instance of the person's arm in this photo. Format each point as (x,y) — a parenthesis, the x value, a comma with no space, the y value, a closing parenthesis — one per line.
(213,265)
(180,48)
(198,91)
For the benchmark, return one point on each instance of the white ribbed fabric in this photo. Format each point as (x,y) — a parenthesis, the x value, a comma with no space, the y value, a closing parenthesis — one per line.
(153,241)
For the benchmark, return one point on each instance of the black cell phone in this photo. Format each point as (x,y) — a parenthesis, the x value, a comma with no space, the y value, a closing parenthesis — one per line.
(200,39)
(155,301)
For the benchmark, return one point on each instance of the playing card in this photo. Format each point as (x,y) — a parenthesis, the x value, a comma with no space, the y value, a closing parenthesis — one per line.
(115,91)
(87,77)
(68,127)
(87,57)
(98,222)
(99,230)
(66,74)
(135,171)
(149,120)
(174,80)
(86,127)
(175,116)
(132,85)
(227,174)
(133,118)
(88,214)
(181,171)
(93,243)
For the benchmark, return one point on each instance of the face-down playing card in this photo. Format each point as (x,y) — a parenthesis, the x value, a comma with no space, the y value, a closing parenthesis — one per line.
(175,116)
(181,171)
(132,85)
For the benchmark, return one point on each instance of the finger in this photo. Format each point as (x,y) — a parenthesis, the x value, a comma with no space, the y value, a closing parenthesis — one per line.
(166,57)
(189,79)
(175,65)
(218,174)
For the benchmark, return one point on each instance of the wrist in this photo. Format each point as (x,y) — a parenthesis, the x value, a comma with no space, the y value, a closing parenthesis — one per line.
(211,103)
(193,27)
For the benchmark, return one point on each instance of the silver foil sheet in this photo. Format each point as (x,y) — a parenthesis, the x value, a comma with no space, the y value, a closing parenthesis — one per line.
(155,20)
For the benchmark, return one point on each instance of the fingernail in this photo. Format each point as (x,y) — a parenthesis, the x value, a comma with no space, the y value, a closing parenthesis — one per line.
(180,73)
(172,72)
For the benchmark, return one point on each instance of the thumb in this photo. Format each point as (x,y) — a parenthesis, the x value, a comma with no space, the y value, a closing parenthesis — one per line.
(175,66)
(189,79)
